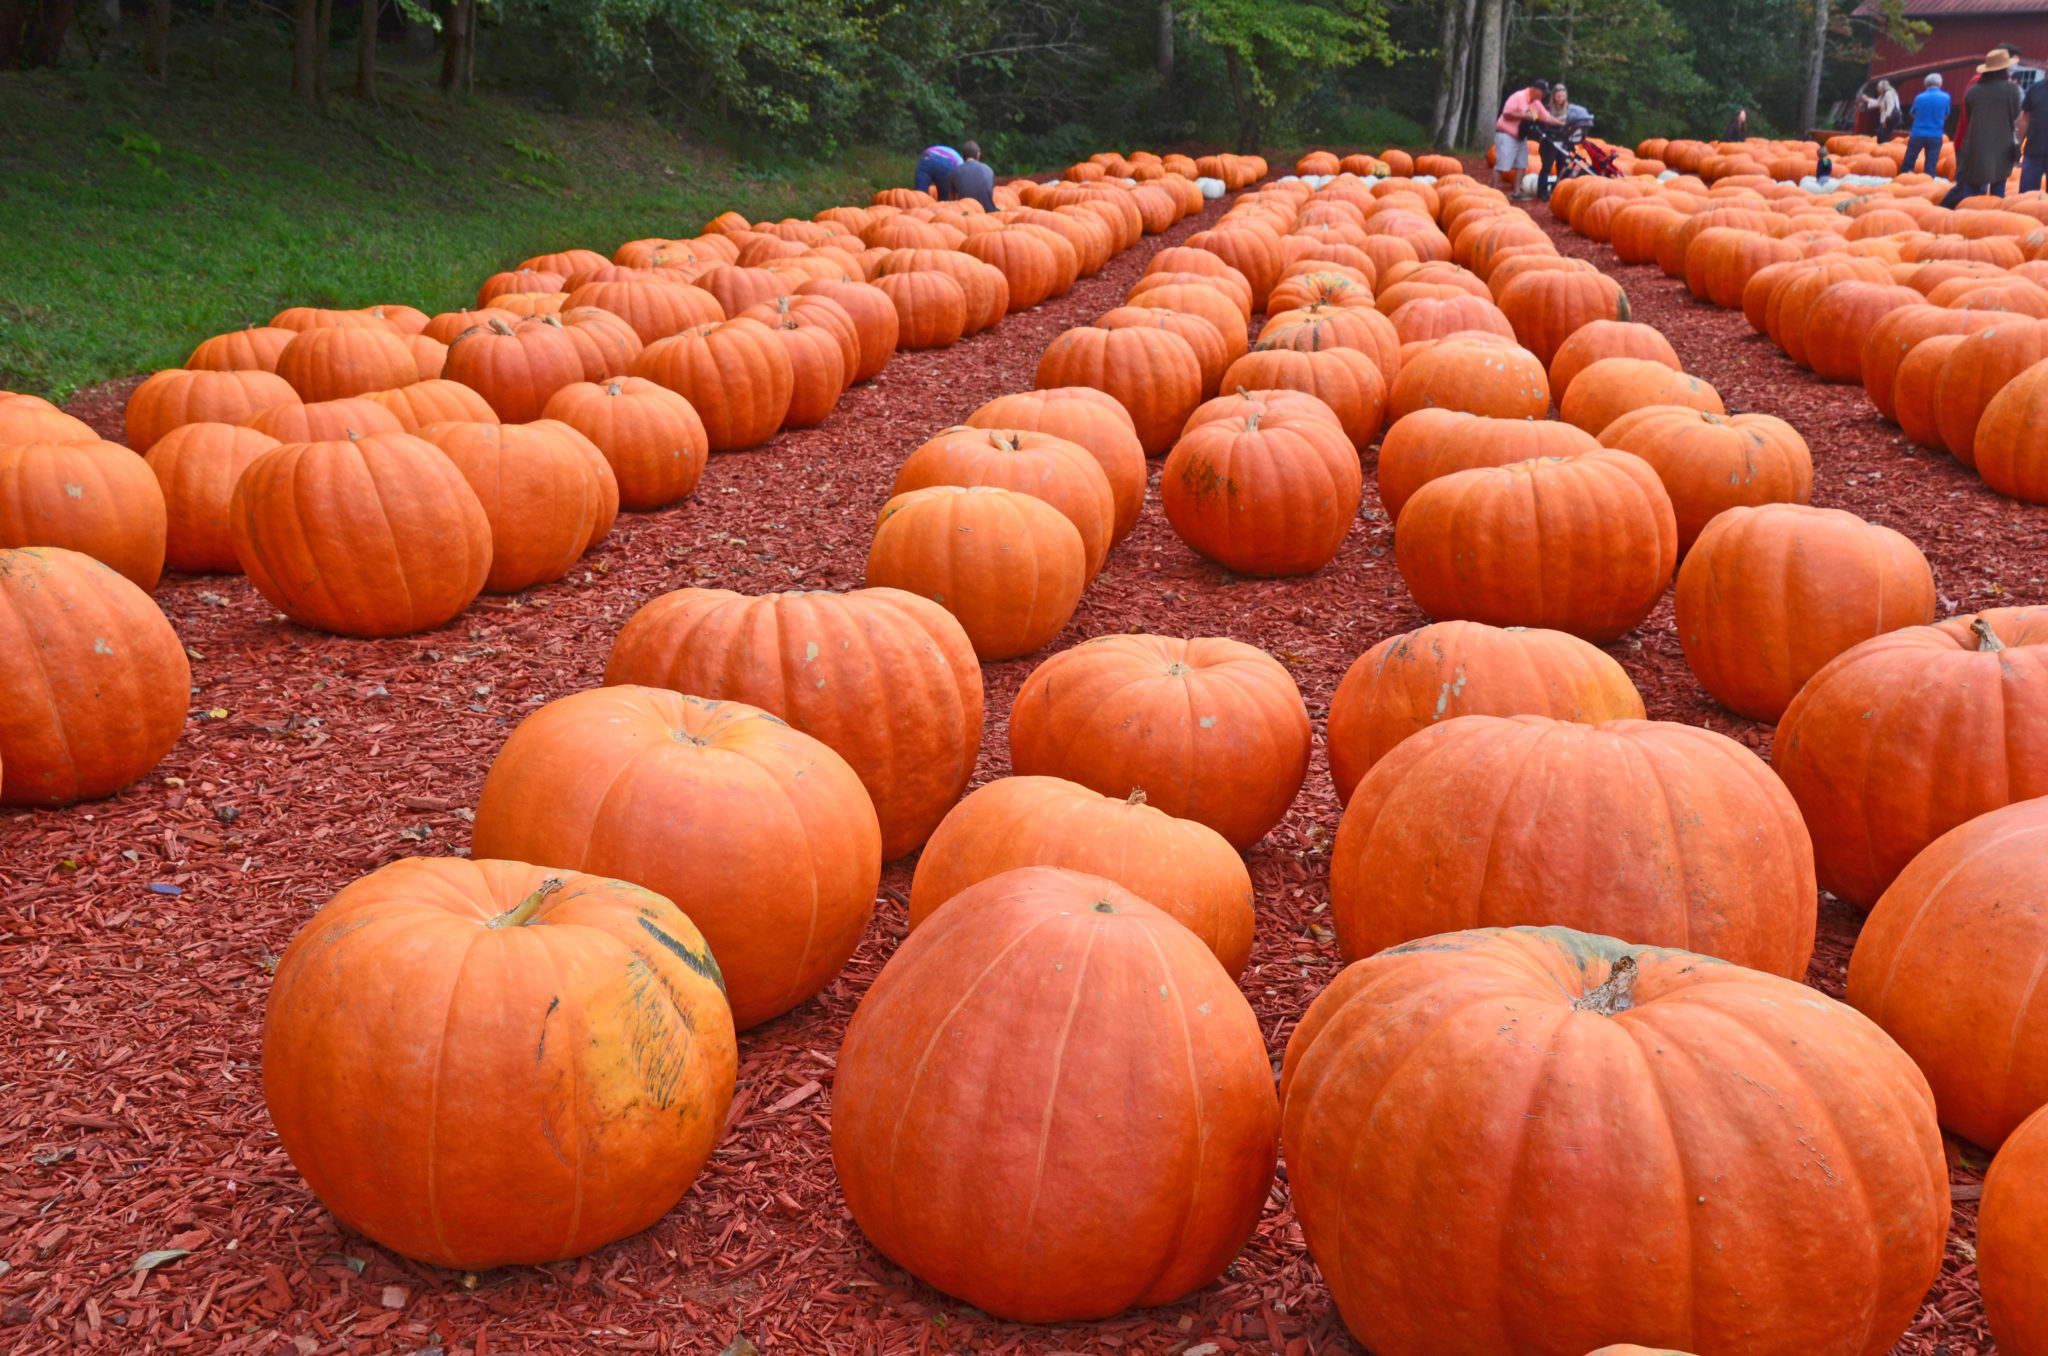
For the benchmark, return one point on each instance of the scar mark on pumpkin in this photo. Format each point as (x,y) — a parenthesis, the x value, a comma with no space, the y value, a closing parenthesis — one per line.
(540,1051)
(702,963)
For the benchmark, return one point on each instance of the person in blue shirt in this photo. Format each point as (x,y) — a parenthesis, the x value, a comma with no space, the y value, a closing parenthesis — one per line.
(1930,116)
(971,179)
(933,166)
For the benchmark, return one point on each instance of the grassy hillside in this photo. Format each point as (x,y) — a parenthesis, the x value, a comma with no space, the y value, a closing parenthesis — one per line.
(138,219)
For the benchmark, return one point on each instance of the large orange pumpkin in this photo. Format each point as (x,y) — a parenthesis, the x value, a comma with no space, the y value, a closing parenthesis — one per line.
(253,349)
(480,1064)
(380,536)
(1431,443)
(1348,380)
(1267,494)
(1152,373)
(1905,736)
(1053,1102)
(329,364)
(1599,339)
(737,376)
(1096,421)
(1976,371)
(931,307)
(1211,352)
(1842,319)
(196,467)
(1061,473)
(886,679)
(1949,964)
(1516,1090)
(1409,683)
(2011,440)
(1897,333)
(32,419)
(1547,308)
(1476,374)
(180,395)
(2012,1241)
(94,684)
(1179,866)
(873,314)
(94,497)
(435,401)
(1209,729)
(540,495)
(1010,567)
(650,436)
(514,366)
(1768,595)
(326,420)
(1710,463)
(757,831)
(1497,821)
(818,369)
(1585,544)
(655,310)
(1611,387)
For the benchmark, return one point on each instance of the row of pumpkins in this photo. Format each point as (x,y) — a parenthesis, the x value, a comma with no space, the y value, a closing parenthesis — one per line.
(1054,1102)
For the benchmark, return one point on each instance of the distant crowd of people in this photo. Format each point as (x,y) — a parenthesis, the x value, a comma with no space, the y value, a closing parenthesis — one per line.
(1997,126)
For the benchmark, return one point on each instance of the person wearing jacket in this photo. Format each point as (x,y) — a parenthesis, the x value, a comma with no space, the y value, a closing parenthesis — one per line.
(1986,152)
(1930,118)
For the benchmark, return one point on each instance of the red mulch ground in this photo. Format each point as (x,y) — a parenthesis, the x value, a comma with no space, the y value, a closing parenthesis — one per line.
(136,934)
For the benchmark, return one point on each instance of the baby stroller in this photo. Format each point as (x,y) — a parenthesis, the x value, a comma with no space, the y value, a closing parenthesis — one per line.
(1568,143)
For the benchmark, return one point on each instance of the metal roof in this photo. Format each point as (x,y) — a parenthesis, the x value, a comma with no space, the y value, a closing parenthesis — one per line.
(1928,9)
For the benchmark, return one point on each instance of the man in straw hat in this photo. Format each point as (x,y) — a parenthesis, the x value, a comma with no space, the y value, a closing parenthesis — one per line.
(1988,149)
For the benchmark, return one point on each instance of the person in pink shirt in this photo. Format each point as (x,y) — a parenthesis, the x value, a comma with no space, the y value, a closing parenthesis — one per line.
(1510,145)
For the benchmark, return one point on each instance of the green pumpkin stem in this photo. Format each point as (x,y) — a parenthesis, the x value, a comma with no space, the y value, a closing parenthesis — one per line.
(529,906)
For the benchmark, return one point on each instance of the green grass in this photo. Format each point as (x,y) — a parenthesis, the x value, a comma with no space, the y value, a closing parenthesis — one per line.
(138,219)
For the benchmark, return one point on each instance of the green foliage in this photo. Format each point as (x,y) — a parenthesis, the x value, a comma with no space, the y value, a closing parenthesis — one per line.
(1274,50)
(1625,60)
(126,247)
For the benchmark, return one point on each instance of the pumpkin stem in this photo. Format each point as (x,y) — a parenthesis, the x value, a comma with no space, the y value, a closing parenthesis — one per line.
(613,387)
(1137,796)
(1251,423)
(1987,639)
(522,915)
(1103,906)
(500,327)
(1614,996)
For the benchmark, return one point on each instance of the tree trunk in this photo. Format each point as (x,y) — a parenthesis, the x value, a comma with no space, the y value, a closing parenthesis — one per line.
(1486,95)
(156,52)
(454,37)
(1162,52)
(1809,101)
(305,18)
(1571,23)
(323,29)
(1244,122)
(469,51)
(366,55)
(1448,48)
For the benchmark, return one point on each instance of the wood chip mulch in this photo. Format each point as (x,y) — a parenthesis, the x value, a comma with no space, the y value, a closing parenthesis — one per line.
(137,934)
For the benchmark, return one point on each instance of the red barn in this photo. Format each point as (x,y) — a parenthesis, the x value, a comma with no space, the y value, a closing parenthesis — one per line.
(1964,30)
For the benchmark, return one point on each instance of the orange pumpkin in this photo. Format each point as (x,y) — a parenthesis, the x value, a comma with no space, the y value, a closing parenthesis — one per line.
(1319,327)
(677,793)
(738,377)
(125,682)
(466,1059)
(196,467)
(818,372)
(329,364)
(1917,384)
(1611,387)
(1010,567)
(96,498)
(1269,494)
(434,401)
(884,678)
(1152,373)
(1431,443)
(1546,308)
(1096,421)
(1949,964)
(1061,473)
(1410,683)
(514,367)
(1345,379)
(873,315)
(655,310)
(1896,334)
(650,436)
(2011,439)
(32,419)
(1474,373)
(1585,544)
(931,307)
(1768,595)
(2012,1252)
(1211,730)
(254,349)
(379,536)
(1465,825)
(1710,463)
(326,420)
(1566,1054)
(1017,1048)
(539,494)
(1607,339)
(1179,866)
(1904,736)
(179,396)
